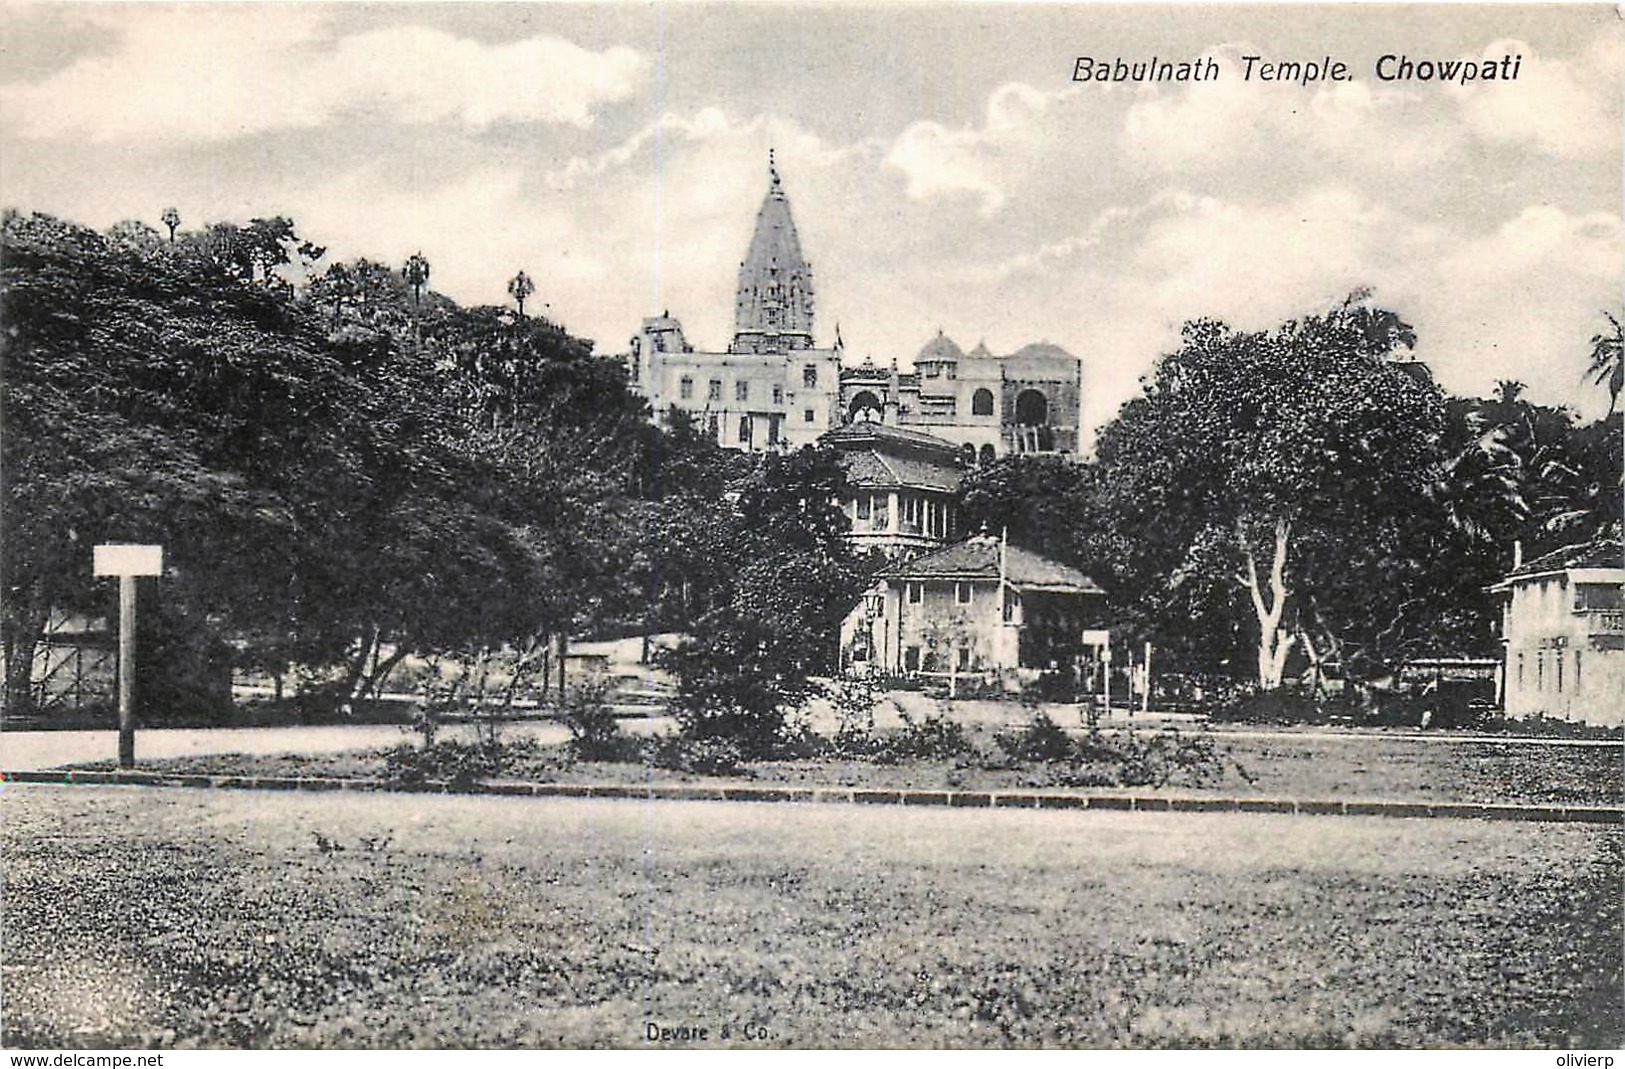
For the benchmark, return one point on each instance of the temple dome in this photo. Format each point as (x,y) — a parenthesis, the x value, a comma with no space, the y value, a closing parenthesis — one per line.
(940,349)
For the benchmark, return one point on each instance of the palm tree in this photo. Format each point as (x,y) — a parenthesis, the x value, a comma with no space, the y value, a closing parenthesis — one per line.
(520,287)
(416,274)
(1477,482)
(172,219)
(1608,360)
(1507,391)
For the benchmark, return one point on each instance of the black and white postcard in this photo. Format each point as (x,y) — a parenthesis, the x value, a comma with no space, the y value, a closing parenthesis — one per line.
(677,526)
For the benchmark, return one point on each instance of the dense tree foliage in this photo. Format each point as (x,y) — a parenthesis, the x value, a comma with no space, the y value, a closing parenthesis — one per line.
(1042,500)
(343,473)
(154,394)
(346,469)
(1251,459)
(1306,501)
(789,577)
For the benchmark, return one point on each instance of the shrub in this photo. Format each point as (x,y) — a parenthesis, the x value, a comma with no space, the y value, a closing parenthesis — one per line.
(459,765)
(1538,726)
(798,741)
(702,756)
(1126,760)
(854,702)
(931,737)
(1280,706)
(1041,740)
(739,680)
(595,734)
(1171,758)
(1084,776)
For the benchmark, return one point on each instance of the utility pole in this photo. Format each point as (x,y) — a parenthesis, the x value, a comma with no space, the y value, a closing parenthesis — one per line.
(1106,676)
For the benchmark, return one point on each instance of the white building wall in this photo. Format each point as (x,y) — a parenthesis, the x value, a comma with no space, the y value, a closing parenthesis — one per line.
(940,624)
(775,390)
(1563,662)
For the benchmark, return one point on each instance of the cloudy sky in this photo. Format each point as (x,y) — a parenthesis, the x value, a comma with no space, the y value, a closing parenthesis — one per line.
(944,170)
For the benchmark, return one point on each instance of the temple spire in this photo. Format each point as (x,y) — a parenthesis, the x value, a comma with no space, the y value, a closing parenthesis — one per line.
(773,307)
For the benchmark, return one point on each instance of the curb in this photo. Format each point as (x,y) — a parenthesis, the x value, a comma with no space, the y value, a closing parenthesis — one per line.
(855,796)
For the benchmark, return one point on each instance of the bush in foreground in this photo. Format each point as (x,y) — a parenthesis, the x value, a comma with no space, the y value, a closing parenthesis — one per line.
(1120,760)
(595,733)
(458,765)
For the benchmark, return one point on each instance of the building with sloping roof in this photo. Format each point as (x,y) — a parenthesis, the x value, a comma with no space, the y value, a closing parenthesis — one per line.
(980,607)
(902,487)
(1563,635)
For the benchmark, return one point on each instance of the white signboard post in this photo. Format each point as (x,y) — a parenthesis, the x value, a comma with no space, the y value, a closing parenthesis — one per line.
(127,562)
(1101,639)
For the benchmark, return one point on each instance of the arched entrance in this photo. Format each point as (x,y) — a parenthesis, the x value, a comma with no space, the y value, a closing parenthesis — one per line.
(865,408)
(1032,432)
(1032,408)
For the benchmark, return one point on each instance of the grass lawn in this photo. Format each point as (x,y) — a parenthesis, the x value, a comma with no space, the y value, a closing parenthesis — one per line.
(1299,765)
(140,917)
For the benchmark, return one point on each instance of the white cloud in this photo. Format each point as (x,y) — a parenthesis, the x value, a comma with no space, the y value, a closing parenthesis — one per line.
(1567,108)
(422,74)
(1277,129)
(1201,125)
(1262,262)
(204,73)
(1115,220)
(937,160)
(1522,301)
(706,123)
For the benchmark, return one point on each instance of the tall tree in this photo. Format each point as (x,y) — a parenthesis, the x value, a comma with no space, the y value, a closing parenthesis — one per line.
(792,577)
(151,393)
(320,494)
(1253,461)
(1040,500)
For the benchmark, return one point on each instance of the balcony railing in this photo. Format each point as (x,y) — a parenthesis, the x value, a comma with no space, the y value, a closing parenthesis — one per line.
(1603,621)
